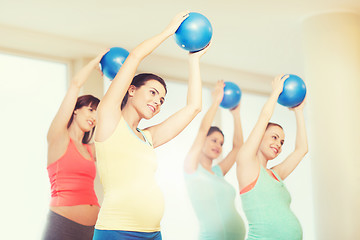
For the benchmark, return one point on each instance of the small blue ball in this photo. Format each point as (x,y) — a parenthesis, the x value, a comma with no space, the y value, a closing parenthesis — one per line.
(232,95)
(194,33)
(112,61)
(293,93)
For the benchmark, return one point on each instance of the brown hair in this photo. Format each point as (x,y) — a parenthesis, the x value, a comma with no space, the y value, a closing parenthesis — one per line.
(140,80)
(85,100)
(215,129)
(273,124)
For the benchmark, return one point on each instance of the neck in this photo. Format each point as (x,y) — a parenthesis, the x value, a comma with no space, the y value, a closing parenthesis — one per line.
(206,162)
(131,116)
(262,159)
(76,133)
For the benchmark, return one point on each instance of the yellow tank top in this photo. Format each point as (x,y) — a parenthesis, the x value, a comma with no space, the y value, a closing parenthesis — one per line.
(127,164)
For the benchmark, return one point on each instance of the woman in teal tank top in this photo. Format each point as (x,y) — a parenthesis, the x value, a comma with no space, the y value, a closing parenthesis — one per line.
(265,199)
(211,195)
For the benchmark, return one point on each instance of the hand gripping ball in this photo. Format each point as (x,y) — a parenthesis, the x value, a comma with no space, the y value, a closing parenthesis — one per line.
(232,95)
(293,93)
(112,61)
(194,33)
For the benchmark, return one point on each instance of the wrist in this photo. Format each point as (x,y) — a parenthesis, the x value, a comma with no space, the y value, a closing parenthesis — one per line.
(194,58)
(297,110)
(166,33)
(275,94)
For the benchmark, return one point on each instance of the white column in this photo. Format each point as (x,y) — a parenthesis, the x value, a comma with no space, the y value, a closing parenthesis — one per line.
(94,85)
(332,70)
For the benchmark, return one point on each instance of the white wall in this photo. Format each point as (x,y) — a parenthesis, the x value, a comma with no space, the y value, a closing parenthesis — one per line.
(30,93)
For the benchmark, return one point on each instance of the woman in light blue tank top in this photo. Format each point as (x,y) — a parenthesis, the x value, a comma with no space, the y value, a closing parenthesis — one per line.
(265,199)
(211,195)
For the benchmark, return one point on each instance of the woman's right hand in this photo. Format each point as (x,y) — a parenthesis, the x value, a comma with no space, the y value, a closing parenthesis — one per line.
(235,110)
(80,77)
(278,83)
(218,92)
(199,53)
(176,22)
(96,61)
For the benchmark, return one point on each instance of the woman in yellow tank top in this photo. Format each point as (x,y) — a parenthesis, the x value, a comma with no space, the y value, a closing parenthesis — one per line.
(133,203)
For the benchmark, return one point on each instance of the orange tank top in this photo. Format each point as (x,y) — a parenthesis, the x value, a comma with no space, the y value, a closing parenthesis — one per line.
(72,179)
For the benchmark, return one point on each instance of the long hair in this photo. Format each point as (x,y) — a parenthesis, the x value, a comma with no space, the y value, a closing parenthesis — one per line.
(140,80)
(85,100)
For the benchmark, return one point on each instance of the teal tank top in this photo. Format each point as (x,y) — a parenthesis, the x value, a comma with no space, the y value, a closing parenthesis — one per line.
(213,200)
(267,208)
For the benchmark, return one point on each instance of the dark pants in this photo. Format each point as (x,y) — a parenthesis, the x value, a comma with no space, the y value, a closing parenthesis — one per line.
(62,228)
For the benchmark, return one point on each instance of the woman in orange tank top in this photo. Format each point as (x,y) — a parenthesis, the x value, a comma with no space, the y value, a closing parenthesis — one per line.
(71,163)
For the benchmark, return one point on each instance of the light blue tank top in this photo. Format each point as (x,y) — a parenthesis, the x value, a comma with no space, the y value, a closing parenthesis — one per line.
(213,198)
(267,209)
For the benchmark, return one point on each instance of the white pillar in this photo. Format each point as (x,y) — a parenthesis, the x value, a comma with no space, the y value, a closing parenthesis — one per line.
(94,85)
(332,70)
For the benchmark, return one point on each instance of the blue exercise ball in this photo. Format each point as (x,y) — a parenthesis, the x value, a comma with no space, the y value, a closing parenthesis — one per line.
(112,61)
(232,95)
(194,33)
(293,93)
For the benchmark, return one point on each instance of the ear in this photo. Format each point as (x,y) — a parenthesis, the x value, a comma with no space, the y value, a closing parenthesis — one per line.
(75,112)
(131,90)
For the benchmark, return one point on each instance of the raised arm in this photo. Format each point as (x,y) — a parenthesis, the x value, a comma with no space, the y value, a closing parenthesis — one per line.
(247,168)
(172,126)
(58,127)
(238,141)
(251,145)
(109,109)
(301,145)
(192,158)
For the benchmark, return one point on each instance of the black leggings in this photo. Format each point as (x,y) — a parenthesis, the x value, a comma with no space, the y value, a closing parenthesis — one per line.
(62,228)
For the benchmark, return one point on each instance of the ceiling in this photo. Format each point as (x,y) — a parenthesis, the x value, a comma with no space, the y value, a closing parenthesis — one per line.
(258,37)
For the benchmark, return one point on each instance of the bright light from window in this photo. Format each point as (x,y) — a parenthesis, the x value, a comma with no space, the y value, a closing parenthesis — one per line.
(30,93)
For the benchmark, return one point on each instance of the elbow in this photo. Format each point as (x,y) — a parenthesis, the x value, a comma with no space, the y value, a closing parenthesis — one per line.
(195,109)
(304,150)
(135,56)
(237,146)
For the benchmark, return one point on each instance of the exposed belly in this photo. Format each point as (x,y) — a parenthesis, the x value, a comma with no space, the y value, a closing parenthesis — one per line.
(83,214)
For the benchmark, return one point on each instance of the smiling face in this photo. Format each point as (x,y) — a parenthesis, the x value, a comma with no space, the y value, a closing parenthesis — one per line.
(213,145)
(271,144)
(148,98)
(85,118)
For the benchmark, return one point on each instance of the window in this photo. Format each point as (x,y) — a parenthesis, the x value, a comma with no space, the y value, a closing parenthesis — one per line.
(31,91)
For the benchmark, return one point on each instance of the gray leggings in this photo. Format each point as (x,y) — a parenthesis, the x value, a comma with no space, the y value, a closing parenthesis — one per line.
(62,228)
